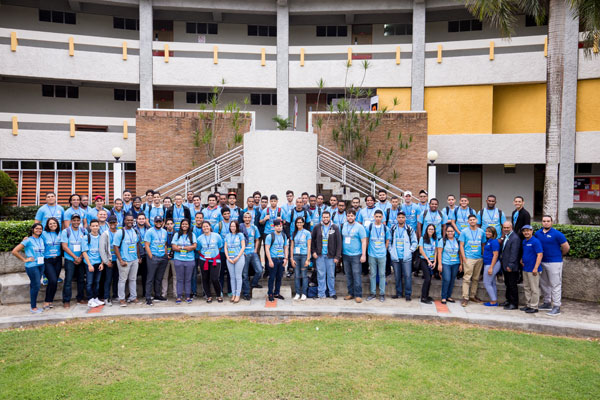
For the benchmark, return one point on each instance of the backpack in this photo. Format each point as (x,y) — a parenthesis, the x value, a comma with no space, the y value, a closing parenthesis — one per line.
(244,231)
(469,209)
(499,215)
(306,219)
(123,237)
(408,230)
(427,210)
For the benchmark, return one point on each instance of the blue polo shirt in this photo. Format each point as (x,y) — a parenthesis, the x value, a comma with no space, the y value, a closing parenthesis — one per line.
(209,245)
(277,246)
(412,212)
(488,251)
(472,239)
(531,248)
(45,212)
(428,248)
(301,242)
(377,237)
(34,248)
(450,251)
(157,241)
(551,242)
(352,235)
(51,244)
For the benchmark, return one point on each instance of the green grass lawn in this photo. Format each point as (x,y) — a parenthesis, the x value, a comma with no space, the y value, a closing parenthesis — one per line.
(242,358)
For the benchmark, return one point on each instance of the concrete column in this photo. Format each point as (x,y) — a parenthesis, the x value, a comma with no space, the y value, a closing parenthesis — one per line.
(417,101)
(283,39)
(566,169)
(146,97)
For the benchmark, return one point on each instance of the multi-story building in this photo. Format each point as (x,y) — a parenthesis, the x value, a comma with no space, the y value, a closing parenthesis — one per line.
(73,74)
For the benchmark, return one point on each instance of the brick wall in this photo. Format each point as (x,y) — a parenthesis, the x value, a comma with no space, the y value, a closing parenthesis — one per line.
(411,168)
(165,146)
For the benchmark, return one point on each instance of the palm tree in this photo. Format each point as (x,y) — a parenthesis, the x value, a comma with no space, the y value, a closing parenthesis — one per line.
(503,14)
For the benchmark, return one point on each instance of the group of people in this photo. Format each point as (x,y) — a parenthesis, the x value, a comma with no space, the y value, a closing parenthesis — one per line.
(107,250)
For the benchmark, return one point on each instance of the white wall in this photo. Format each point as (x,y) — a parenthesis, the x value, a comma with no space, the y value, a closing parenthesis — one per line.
(271,154)
(507,186)
(446,184)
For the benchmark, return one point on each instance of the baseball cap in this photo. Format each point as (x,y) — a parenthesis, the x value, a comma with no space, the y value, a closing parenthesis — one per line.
(277,222)
(158,218)
(408,193)
(112,218)
(527,227)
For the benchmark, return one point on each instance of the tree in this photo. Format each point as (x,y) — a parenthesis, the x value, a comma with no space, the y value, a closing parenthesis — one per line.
(503,14)
(7,185)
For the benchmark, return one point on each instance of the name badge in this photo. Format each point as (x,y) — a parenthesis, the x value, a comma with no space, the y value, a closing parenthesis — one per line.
(76,247)
(183,251)
(131,248)
(40,260)
(367,223)
(347,240)
(161,246)
(297,250)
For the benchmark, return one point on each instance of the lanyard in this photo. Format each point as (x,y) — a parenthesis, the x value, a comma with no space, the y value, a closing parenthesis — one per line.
(130,235)
(73,235)
(378,234)
(452,247)
(185,240)
(298,233)
(324,232)
(400,233)
(231,238)
(367,212)
(177,212)
(475,236)
(348,228)
(54,238)
(465,214)
(490,219)
(159,233)
(53,212)
(206,241)
(433,216)
(39,243)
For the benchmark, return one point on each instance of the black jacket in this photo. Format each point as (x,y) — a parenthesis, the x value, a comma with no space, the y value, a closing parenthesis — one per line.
(186,213)
(524,218)
(509,256)
(334,243)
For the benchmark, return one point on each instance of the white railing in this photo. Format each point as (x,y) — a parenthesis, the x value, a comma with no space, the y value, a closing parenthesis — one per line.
(210,174)
(351,175)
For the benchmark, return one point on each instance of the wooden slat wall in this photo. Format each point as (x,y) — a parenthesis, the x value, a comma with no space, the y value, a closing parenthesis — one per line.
(64,187)
(82,182)
(29,187)
(98,184)
(111,187)
(130,182)
(46,185)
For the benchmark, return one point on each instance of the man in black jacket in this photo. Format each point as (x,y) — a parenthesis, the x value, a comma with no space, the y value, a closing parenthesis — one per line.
(520,216)
(326,248)
(509,259)
(178,212)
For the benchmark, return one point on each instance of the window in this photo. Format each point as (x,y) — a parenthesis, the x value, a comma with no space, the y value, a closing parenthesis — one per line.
(202,28)
(583,168)
(129,24)
(59,17)
(331,96)
(332,31)
(71,92)
(263,99)
(199,97)
(530,21)
(397,29)
(453,169)
(464,25)
(262,30)
(510,169)
(127,95)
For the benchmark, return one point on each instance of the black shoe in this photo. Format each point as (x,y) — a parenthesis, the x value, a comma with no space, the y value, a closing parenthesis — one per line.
(408,298)
(160,298)
(510,307)
(531,311)
(149,302)
(506,303)
(246,297)
(256,287)
(271,298)
(334,297)
(426,301)
(429,298)
(524,308)
(395,296)
(280,297)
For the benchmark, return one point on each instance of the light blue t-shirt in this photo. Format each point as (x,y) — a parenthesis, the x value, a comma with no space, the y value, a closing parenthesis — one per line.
(93,249)
(366,216)
(325,230)
(45,212)
(398,238)
(392,220)
(128,240)
(234,213)
(222,228)
(34,248)
(156,212)
(487,217)
(253,234)
(433,217)
(383,206)
(377,238)
(338,218)
(92,213)
(428,248)
(473,240)
(412,212)
(79,211)
(182,241)
(301,242)
(277,246)
(51,244)
(74,239)
(193,212)
(278,213)
(234,243)
(212,215)
(209,245)
(352,235)
(178,216)
(450,251)
(127,207)
(120,217)
(157,241)
(111,237)
(461,217)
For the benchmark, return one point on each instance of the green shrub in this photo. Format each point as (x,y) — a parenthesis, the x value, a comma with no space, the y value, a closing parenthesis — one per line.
(584,240)
(18,213)
(7,185)
(584,216)
(12,233)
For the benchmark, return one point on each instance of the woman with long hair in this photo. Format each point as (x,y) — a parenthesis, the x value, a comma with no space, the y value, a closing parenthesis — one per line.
(301,258)
(209,244)
(33,247)
(491,265)
(52,258)
(184,244)
(235,243)
(448,262)
(427,249)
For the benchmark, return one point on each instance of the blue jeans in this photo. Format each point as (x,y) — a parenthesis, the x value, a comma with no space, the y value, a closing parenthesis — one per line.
(353,271)
(93,280)
(489,281)
(70,269)
(275,275)
(449,272)
(35,275)
(377,267)
(403,276)
(194,283)
(52,267)
(254,260)
(325,272)
(235,275)
(300,276)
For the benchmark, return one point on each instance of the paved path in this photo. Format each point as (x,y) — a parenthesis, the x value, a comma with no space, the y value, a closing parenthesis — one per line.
(577,318)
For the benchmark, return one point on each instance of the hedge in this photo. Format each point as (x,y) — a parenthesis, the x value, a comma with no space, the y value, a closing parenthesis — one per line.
(12,233)
(26,213)
(584,216)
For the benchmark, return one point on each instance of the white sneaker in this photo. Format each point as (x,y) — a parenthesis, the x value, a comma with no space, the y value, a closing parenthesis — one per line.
(297,297)
(303,297)
(98,302)
(91,303)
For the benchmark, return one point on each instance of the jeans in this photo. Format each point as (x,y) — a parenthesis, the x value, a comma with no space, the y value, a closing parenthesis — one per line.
(184,277)
(143,272)
(427,273)
(194,283)
(70,269)
(300,275)
(156,269)
(93,280)
(128,274)
(403,276)
(275,274)
(235,275)
(489,281)
(353,271)
(254,260)
(326,273)
(449,272)
(111,275)
(377,267)
(52,267)
(224,271)
(35,275)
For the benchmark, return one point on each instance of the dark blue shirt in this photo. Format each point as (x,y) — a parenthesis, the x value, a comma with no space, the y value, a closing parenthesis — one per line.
(551,242)
(488,250)
(531,248)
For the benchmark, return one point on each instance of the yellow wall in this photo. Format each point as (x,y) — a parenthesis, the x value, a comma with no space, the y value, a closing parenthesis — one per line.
(387,95)
(588,105)
(459,109)
(519,108)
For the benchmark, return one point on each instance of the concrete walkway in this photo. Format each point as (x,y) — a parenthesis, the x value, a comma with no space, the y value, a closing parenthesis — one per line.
(577,318)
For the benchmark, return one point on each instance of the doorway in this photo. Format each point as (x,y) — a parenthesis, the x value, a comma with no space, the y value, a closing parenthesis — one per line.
(362,35)
(470,184)
(162,32)
(164,99)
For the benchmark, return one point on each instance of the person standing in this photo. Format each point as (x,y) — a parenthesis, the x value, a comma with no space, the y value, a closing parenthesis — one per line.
(156,209)
(339,217)
(178,212)
(52,258)
(533,253)
(141,229)
(170,228)
(33,247)
(195,208)
(91,255)
(460,218)
(448,262)
(109,259)
(555,246)
(391,213)
(184,245)
(125,245)
(356,203)
(277,254)
(50,210)
(234,210)
(155,243)
(471,241)
(491,216)
(509,259)
(212,213)
(127,201)
(379,240)
(520,216)
(300,249)
(222,228)
(190,199)
(354,253)
(383,204)
(366,216)
(491,266)
(75,203)
(428,249)
(149,201)
(401,249)
(136,209)
(326,248)
(422,201)
(250,256)
(117,211)
(432,216)
(71,239)
(92,213)
(235,243)
(449,210)
(208,245)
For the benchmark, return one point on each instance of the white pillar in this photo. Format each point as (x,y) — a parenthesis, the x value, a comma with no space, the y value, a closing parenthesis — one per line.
(283,36)
(118,185)
(417,101)
(431,181)
(146,29)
